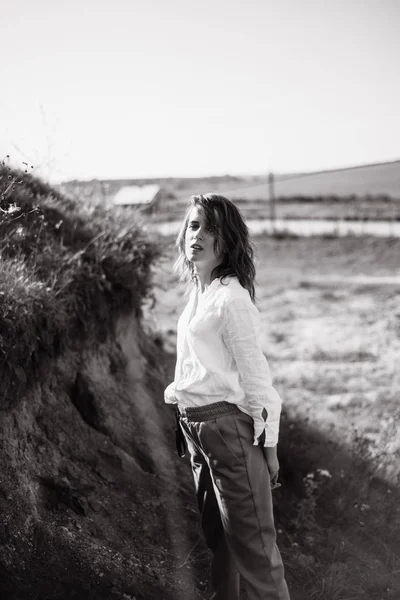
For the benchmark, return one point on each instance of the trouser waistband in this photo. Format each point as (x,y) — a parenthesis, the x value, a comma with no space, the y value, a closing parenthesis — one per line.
(208,412)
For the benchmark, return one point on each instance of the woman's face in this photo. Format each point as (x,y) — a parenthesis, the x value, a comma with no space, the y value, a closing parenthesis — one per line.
(199,241)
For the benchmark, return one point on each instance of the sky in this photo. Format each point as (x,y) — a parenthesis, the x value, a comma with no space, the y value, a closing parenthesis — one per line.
(138,88)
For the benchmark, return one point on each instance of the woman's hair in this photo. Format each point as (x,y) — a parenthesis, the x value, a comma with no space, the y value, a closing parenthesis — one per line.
(231,241)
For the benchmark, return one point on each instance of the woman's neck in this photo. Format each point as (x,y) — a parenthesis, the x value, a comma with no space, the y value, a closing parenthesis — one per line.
(204,279)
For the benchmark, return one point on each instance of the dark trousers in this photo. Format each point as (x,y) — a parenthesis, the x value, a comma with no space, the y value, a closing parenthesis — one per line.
(234,497)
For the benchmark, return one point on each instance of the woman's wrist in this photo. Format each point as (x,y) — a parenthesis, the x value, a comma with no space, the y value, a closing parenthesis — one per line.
(271,451)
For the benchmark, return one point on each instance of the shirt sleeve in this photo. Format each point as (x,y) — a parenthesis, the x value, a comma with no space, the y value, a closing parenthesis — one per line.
(241,335)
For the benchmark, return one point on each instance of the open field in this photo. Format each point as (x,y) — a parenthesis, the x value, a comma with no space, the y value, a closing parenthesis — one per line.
(332,339)
(366,192)
(331,208)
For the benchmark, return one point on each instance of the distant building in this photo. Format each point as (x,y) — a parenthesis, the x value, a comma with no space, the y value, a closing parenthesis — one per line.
(143,197)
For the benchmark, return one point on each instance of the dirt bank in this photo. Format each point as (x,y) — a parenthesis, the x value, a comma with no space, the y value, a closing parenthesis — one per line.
(93,502)
(89,484)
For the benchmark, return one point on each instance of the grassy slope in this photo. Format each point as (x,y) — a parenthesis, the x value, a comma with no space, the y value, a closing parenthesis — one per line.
(377,179)
(66,274)
(370,192)
(369,180)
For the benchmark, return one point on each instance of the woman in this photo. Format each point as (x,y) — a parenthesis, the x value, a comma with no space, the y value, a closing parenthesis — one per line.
(226,405)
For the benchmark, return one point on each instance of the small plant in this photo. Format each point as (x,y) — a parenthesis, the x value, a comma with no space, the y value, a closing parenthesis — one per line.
(9,179)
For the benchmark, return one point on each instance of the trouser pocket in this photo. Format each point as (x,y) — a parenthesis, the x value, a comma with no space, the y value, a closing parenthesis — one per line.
(229,437)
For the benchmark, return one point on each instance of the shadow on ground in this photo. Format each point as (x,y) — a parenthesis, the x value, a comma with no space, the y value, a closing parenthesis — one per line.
(337,518)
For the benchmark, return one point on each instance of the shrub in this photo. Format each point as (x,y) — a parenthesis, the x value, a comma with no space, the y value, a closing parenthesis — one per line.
(66,273)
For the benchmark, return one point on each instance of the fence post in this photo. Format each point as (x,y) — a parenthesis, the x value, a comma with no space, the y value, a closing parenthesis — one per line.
(272,203)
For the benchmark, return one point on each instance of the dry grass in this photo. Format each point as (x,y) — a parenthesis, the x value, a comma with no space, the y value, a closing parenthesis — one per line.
(66,273)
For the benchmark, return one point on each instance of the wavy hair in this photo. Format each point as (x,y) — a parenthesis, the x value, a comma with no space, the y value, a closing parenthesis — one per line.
(231,240)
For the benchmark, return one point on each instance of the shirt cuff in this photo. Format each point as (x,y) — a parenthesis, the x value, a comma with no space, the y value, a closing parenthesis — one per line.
(266,434)
(169,394)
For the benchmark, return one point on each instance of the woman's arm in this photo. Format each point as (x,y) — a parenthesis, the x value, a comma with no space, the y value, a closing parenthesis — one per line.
(241,335)
(271,458)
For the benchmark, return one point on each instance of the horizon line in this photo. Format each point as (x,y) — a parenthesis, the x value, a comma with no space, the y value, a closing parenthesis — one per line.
(208,176)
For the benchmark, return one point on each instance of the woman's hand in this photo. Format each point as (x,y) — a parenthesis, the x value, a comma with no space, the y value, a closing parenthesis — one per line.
(271,458)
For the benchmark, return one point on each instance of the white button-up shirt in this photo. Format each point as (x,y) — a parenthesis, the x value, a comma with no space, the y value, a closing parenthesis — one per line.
(219,357)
